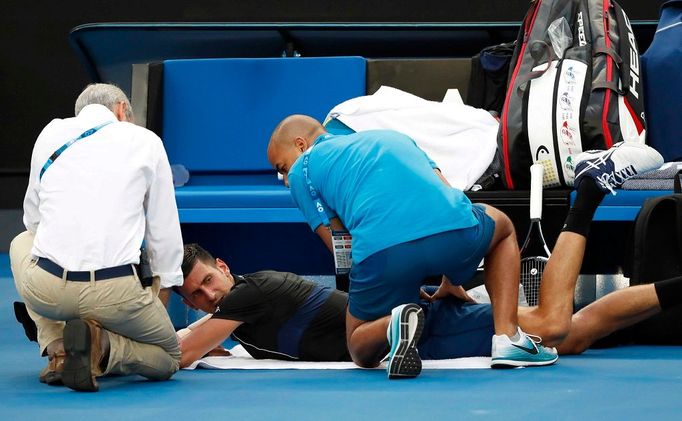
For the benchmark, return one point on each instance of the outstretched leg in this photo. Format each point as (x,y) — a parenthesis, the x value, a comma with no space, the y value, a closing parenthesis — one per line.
(551,318)
(619,310)
(596,174)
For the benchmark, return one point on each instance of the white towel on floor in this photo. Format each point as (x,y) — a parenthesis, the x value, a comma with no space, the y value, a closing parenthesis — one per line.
(241,360)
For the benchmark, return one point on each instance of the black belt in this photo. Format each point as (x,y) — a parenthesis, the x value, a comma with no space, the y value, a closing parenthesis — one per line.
(84,276)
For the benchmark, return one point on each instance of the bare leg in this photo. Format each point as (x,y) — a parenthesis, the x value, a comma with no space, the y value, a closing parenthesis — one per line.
(367,341)
(551,318)
(502,268)
(610,313)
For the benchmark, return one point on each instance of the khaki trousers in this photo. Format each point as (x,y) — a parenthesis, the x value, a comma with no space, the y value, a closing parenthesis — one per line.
(141,336)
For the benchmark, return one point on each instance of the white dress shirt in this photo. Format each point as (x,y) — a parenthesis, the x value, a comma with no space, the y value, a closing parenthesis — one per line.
(103,195)
(460,139)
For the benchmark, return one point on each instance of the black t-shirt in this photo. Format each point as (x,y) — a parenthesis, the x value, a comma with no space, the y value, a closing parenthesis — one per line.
(286,317)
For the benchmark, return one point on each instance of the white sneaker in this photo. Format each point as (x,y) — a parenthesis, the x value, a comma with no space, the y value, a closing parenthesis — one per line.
(612,167)
(524,352)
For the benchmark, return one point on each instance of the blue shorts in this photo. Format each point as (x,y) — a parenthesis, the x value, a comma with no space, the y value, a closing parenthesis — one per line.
(455,329)
(393,276)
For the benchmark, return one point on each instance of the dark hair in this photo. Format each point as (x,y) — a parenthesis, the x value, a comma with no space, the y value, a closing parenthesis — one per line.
(193,253)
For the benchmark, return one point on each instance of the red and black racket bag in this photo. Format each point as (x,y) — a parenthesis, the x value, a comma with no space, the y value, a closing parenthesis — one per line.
(574,85)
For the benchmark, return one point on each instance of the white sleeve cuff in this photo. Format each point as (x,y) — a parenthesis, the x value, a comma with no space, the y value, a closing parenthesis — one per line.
(170,279)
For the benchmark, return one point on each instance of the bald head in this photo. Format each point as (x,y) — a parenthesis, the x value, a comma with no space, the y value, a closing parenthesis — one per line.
(297,125)
(292,136)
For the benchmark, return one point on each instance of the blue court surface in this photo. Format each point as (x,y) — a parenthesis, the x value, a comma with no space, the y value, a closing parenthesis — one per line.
(622,383)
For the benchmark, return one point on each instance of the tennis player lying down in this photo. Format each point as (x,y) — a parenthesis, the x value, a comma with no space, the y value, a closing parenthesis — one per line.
(283,316)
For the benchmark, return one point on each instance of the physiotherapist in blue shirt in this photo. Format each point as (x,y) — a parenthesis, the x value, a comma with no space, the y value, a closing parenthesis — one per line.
(407,224)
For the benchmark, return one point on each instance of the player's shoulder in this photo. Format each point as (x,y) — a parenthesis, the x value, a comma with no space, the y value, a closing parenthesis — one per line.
(267,275)
(268,279)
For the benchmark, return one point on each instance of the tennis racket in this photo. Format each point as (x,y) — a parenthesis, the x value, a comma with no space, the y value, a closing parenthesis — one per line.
(534,252)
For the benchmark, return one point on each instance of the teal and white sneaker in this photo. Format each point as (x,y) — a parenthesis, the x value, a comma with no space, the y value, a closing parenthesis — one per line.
(404,330)
(524,352)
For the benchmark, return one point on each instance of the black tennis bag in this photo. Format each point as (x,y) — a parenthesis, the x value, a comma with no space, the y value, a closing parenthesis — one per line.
(489,75)
(656,255)
(574,85)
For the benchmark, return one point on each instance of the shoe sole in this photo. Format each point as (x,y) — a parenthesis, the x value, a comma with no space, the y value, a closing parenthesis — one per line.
(406,363)
(52,379)
(77,373)
(501,363)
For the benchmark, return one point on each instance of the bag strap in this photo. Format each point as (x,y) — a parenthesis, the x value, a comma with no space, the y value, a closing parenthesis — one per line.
(62,148)
(539,51)
(678,183)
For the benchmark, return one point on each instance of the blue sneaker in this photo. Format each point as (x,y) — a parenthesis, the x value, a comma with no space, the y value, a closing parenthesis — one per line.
(404,330)
(612,167)
(524,352)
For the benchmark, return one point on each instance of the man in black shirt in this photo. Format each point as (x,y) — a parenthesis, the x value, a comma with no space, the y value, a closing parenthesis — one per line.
(283,316)
(273,315)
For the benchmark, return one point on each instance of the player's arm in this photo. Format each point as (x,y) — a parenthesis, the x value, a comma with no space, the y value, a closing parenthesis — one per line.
(204,338)
(325,233)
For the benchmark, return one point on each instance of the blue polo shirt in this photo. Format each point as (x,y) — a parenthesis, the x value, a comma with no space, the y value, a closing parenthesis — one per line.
(381,186)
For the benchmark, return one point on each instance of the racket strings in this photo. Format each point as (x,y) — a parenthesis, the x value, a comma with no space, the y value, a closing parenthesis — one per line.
(531,275)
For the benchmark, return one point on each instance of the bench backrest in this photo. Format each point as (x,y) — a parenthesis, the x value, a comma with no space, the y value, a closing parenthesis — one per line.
(218,114)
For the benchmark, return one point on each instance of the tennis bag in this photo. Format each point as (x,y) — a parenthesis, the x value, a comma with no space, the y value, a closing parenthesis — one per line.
(657,255)
(489,75)
(574,85)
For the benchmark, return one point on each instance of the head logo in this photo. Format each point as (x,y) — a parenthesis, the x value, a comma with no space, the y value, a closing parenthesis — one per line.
(567,134)
(565,102)
(568,165)
(542,149)
(570,75)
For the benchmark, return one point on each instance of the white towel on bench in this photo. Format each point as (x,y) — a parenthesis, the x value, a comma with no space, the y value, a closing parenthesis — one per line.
(460,139)
(241,360)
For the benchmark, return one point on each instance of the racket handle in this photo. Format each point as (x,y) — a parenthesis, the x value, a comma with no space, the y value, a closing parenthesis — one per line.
(536,174)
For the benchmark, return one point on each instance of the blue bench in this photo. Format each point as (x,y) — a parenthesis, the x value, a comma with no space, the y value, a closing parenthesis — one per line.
(218,115)
(624,206)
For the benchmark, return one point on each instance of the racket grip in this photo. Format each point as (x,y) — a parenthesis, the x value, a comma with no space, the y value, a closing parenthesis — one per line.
(536,174)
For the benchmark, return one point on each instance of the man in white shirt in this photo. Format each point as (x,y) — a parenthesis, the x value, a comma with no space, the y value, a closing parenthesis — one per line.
(99,185)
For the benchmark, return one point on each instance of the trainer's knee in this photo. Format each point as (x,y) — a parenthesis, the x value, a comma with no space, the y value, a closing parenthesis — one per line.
(159,371)
(362,351)
(504,227)
(365,361)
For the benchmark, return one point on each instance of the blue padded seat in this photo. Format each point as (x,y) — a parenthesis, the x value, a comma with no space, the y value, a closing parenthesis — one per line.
(625,205)
(231,196)
(218,115)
